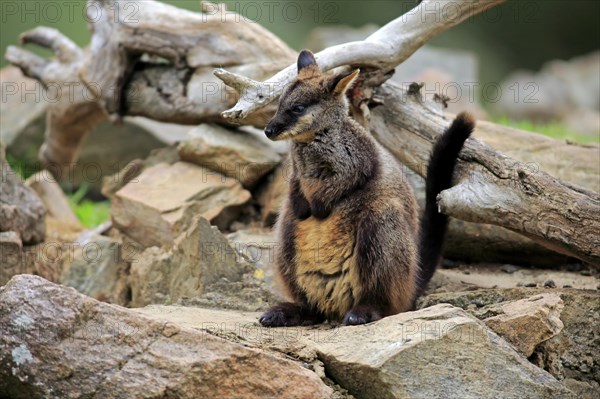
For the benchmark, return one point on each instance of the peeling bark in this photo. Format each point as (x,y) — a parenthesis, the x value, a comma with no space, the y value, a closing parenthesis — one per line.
(492,187)
(157,65)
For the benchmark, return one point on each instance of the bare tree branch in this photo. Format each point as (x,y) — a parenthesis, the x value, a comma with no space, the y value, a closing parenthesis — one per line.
(491,187)
(384,50)
(156,62)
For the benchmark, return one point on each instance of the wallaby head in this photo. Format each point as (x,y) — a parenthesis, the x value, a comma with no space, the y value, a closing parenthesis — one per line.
(311,103)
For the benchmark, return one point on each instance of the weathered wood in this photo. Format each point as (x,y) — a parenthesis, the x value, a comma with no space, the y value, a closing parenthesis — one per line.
(53,197)
(383,50)
(492,187)
(157,64)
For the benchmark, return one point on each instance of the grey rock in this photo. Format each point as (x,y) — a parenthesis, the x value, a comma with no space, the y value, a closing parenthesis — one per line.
(568,355)
(234,153)
(11,255)
(200,256)
(258,247)
(549,284)
(57,343)
(21,210)
(438,352)
(561,90)
(509,268)
(96,268)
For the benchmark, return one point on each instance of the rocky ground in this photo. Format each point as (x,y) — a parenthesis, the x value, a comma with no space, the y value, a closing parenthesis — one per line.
(162,300)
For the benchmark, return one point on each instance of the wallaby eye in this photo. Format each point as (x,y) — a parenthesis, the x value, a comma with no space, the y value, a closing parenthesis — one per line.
(298,109)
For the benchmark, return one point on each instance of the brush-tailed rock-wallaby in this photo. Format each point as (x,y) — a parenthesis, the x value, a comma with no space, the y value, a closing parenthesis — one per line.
(351,247)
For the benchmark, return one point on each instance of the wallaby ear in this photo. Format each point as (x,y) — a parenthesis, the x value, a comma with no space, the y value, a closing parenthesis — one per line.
(306,59)
(343,81)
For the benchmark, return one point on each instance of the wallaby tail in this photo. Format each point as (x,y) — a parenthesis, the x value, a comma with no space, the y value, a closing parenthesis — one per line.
(439,177)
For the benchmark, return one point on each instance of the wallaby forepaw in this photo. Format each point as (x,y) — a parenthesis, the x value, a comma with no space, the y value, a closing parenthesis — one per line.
(282,315)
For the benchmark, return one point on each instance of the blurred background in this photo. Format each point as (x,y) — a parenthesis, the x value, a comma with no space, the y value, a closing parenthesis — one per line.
(517,34)
(529,64)
(515,42)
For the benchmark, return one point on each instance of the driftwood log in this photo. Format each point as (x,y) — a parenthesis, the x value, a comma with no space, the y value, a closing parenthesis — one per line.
(157,62)
(492,187)
(145,67)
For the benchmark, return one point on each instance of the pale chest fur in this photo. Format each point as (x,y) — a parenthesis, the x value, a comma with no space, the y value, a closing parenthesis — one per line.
(326,267)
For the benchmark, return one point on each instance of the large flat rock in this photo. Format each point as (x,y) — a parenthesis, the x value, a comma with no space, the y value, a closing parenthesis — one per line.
(438,352)
(157,206)
(57,343)
(570,356)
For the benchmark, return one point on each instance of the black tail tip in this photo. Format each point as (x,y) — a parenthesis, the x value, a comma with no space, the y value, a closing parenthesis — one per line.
(464,123)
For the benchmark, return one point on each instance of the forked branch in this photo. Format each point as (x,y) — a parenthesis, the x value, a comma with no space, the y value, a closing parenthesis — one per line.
(383,50)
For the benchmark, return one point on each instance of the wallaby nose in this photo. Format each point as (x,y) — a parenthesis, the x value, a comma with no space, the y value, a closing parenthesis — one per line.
(271,130)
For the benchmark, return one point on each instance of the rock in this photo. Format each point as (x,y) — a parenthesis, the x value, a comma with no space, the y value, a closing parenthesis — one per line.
(583,121)
(407,355)
(158,205)
(201,256)
(106,150)
(583,390)
(570,354)
(236,154)
(112,184)
(248,295)
(258,247)
(559,90)
(96,268)
(167,133)
(42,260)
(21,210)
(528,322)
(11,254)
(449,72)
(272,193)
(53,197)
(439,352)
(109,148)
(55,342)
(491,276)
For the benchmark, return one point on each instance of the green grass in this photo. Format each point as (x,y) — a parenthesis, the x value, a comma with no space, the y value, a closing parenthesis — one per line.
(24,168)
(89,213)
(554,130)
